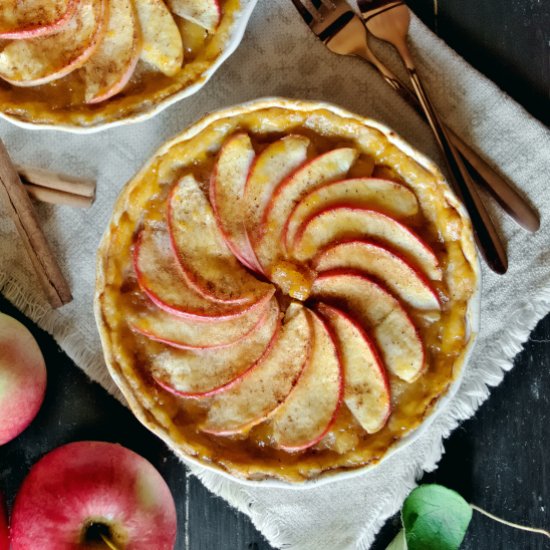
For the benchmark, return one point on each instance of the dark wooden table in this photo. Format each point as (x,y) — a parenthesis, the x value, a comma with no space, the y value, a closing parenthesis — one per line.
(498,460)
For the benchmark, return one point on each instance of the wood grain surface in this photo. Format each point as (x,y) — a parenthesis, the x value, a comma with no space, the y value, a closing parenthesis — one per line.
(497,460)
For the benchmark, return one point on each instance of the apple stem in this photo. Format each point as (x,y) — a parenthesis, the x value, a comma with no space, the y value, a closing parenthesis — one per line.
(109,542)
(509,523)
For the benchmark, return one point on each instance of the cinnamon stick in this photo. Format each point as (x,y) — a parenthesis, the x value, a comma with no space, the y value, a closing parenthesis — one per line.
(58,182)
(21,210)
(53,196)
(55,188)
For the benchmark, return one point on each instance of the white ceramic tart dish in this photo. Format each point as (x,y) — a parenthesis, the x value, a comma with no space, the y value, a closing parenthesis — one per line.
(87,65)
(287,292)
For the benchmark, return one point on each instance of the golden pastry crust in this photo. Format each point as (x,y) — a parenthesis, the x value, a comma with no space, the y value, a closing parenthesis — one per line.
(251,455)
(64,102)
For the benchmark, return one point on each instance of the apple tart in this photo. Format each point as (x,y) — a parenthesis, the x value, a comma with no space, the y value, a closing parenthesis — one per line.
(286,290)
(85,63)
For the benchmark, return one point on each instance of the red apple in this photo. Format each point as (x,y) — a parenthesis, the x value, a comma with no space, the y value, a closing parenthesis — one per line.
(327,167)
(35,18)
(4,532)
(347,222)
(46,58)
(310,409)
(208,264)
(81,491)
(22,378)
(252,398)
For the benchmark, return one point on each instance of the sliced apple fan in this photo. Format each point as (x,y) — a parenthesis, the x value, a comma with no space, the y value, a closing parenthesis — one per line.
(270,207)
(103,38)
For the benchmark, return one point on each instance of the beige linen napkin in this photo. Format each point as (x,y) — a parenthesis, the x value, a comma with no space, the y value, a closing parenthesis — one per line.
(279,56)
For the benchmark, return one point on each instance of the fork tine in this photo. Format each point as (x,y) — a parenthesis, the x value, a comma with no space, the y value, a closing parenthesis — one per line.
(302,10)
(371,8)
(365,5)
(326,18)
(336,26)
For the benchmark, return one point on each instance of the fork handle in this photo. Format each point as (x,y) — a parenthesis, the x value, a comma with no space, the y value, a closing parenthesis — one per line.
(486,233)
(504,193)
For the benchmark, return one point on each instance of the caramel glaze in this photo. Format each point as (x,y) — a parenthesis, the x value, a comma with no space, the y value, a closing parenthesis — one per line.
(347,446)
(61,102)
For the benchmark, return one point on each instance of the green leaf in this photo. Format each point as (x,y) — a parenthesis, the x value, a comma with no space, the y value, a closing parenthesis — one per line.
(399,542)
(435,518)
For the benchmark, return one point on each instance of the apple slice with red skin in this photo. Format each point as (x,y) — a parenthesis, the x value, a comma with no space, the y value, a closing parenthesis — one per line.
(278,160)
(207,372)
(226,194)
(310,409)
(160,277)
(4,531)
(22,378)
(367,390)
(324,168)
(380,314)
(341,223)
(207,263)
(82,489)
(385,196)
(41,60)
(32,18)
(403,280)
(252,398)
(206,13)
(112,64)
(154,323)
(162,45)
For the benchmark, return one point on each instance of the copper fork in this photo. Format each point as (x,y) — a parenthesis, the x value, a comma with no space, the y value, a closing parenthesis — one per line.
(342,31)
(389,20)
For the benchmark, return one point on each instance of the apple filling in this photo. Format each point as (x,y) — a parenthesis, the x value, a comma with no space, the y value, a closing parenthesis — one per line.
(279,308)
(294,280)
(85,62)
